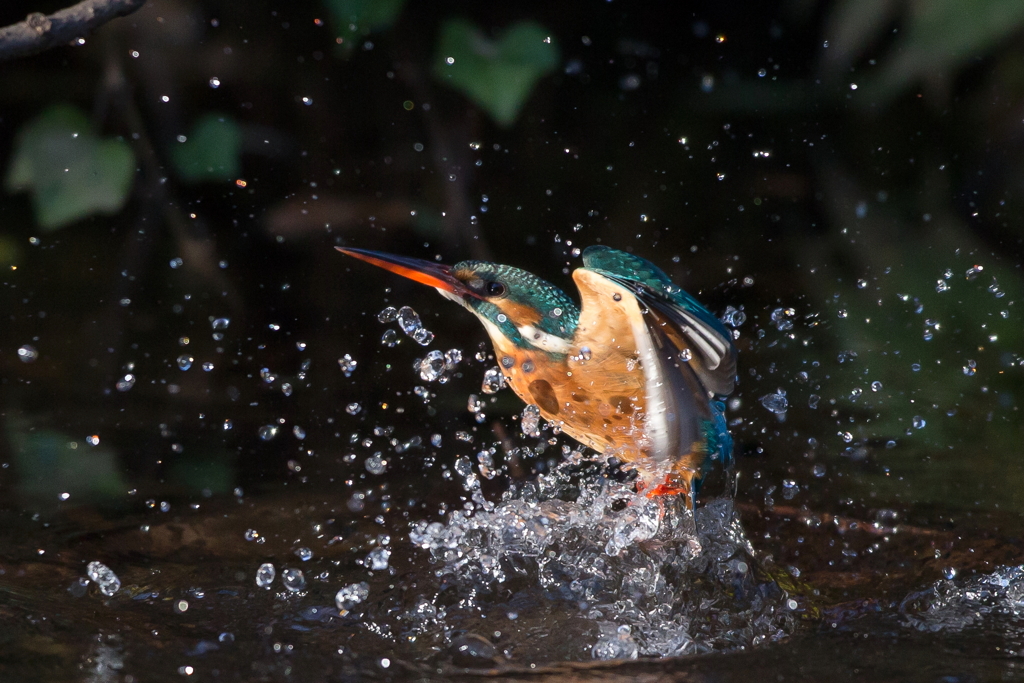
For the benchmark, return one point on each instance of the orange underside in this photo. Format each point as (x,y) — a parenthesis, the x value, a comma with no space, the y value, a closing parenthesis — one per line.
(597,397)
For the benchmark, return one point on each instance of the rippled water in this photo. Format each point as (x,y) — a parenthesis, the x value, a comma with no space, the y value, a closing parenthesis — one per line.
(574,567)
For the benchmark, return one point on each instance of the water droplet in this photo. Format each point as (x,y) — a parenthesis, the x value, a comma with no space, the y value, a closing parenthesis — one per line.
(299,432)
(408,320)
(390,338)
(353,408)
(776,402)
(268,432)
(918,422)
(781,319)
(876,386)
(733,317)
(104,577)
(351,595)
(378,559)
(185,361)
(530,421)
(376,464)
(941,286)
(286,389)
(265,574)
(221,323)
(432,367)
(970,368)
(27,354)
(304,554)
(293,580)
(126,382)
(423,336)
(347,365)
(493,381)
(251,535)
(388,315)
(812,401)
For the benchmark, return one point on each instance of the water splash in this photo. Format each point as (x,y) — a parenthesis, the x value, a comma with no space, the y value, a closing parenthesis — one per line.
(953,605)
(645,576)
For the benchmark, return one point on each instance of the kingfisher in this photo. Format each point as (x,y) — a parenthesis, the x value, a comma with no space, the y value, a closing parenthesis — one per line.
(639,370)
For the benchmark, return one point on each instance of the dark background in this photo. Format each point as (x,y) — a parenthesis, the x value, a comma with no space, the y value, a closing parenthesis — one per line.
(837,208)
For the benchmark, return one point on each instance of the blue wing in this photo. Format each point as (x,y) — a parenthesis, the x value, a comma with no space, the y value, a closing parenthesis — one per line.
(673,315)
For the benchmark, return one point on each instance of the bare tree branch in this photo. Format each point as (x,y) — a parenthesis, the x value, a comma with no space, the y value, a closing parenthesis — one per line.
(41,32)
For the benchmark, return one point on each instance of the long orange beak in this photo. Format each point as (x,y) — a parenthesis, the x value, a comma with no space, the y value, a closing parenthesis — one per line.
(425,272)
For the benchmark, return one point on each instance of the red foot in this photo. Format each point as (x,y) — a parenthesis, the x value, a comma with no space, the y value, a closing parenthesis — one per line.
(670,487)
(666,489)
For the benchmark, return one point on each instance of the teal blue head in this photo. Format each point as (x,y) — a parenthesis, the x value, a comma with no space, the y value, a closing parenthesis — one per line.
(513,305)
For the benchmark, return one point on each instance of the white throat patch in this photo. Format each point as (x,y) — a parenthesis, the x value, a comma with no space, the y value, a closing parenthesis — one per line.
(543,340)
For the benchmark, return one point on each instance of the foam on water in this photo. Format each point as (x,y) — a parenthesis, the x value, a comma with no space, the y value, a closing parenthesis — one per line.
(955,604)
(647,575)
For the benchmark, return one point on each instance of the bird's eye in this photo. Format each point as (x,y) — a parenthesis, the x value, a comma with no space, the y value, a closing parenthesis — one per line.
(495,289)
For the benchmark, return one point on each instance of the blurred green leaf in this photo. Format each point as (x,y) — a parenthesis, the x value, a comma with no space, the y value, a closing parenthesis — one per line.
(210,152)
(10,251)
(213,471)
(70,172)
(941,37)
(497,75)
(355,18)
(937,367)
(50,463)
